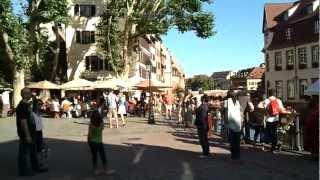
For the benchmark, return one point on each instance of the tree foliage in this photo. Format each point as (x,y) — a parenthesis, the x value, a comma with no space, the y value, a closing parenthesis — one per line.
(13,38)
(130,19)
(39,12)
(200,82)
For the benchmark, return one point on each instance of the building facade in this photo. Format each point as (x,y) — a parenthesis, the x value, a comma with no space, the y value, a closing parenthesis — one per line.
(248,79)
(222,79)
(86,60)
(291,47)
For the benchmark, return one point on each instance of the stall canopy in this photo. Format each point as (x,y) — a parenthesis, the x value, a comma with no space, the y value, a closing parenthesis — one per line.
(155,86)
(313,89)
(111,84)
(78,84)
(43,85)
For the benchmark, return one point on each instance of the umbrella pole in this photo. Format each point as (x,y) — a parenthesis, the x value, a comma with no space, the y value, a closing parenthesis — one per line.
(151,114)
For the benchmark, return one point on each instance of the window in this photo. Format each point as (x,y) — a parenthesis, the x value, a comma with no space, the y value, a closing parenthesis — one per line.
(279,89)
(316,26)
(85,37)
(302,56)
(84,10)
(143,72)
(94,63)
(310,9)
(290,59)
(288,33)
(303,85)
(313,80)
(315,56)
(267,62)
(285,16)
(278,61)
(290,90)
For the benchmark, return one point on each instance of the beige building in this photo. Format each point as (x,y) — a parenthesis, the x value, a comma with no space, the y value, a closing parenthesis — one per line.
(291,48)
(85,60)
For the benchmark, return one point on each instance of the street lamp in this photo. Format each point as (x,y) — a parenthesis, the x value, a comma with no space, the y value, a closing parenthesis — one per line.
(151,113)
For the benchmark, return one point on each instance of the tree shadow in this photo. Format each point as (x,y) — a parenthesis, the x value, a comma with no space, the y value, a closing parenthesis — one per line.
(72,160)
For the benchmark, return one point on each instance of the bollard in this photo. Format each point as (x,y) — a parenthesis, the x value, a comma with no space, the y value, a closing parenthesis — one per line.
(298,135)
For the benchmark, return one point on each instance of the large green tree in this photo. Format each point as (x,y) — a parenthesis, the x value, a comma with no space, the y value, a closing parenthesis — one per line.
(13,43)
(21,37)
(40,12)
(124,21)
(200,82)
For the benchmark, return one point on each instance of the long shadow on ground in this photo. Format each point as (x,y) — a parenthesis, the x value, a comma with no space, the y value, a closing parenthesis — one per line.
(71,160)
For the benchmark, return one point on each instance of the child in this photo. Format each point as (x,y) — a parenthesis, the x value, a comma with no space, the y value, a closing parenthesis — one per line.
(95,142)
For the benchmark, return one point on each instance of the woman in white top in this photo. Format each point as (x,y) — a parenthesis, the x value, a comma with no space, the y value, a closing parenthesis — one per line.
(233,122)
(55,108)
(122,108)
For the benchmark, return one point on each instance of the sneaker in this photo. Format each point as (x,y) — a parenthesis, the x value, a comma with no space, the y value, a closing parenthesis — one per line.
(205,156)
(109,172)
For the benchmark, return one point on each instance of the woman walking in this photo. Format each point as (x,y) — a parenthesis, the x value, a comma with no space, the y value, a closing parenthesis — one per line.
(122,108)
(257,115)
(95,142)
(233,122)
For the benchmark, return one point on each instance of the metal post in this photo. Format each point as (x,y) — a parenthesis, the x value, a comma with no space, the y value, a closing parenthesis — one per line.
(298,135)
(151,115)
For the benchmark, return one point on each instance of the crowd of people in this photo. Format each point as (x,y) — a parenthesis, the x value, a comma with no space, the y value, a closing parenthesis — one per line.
(232,116)
(238,115)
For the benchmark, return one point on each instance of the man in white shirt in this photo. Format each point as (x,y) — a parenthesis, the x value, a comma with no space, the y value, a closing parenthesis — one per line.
(6,103)
(112,101)
(273,118)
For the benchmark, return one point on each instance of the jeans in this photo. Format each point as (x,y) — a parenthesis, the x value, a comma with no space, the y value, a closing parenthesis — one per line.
(272,133)
(39,141)
(258,130)
(246,131)
(234,138)
(27,150)
(203,139)
(95,149)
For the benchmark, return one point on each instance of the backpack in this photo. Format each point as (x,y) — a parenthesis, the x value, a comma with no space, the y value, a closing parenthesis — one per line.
(273,107)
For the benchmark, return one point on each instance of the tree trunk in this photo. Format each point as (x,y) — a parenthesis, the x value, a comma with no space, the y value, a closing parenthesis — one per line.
(56,53)
(18,84)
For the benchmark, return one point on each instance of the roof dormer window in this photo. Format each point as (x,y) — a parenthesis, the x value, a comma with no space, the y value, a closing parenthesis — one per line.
(285,16)
(288,32)
(310,9)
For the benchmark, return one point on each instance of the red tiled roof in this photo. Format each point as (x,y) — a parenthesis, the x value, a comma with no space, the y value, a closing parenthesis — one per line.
(272,10)
(256,73)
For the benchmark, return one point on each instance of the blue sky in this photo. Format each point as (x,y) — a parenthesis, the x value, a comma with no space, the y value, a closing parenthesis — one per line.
(236,45)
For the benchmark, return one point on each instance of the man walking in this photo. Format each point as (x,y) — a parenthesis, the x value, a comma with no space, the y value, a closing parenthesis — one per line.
(112,101)
(26,129)
(274,108)
(202,125)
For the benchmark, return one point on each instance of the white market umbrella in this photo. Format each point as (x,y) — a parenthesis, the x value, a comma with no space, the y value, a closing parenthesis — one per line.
(43,85)
(78,84)
(313,89)
(110,84)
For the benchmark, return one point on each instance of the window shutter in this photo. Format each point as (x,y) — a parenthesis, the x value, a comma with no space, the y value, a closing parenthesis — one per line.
(78,36)
(92,37)
(93,10)
(76,10)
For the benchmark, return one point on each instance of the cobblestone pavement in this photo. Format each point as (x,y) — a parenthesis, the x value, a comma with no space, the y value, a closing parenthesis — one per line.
(140,151)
